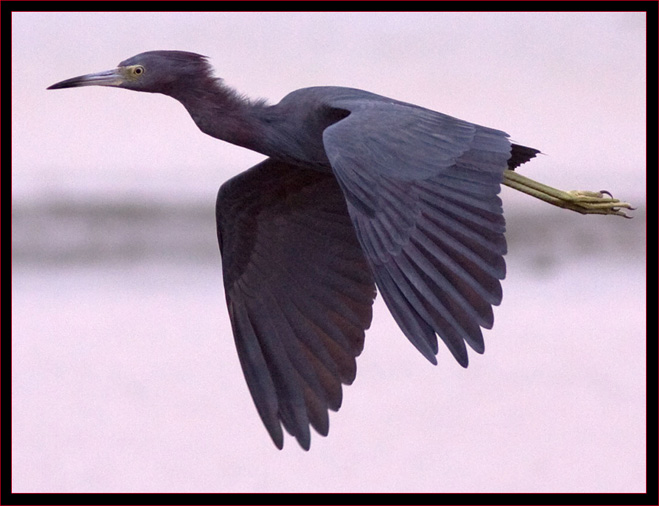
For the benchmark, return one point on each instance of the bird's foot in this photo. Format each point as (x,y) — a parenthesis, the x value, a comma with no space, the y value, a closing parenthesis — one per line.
(584,202)
(602,202)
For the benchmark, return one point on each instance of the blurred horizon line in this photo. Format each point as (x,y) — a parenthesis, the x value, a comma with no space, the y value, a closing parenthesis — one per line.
(88,230)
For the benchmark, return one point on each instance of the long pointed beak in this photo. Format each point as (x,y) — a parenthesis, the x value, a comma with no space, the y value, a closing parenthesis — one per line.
(105,78)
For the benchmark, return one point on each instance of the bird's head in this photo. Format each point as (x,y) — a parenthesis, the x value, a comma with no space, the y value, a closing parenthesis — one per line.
(153,71)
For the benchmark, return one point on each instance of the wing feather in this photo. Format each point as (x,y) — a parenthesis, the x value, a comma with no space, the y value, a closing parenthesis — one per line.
(299,292)
(422,192)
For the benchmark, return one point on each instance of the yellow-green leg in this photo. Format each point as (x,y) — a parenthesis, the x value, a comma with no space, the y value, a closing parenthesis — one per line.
(584,202)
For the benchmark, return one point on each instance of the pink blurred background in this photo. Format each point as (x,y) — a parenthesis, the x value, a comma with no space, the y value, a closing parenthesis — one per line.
(125,373)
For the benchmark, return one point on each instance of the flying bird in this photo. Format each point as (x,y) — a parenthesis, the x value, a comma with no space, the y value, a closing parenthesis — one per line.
(358,191)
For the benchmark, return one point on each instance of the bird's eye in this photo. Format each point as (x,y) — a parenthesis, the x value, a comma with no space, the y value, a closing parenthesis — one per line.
(138,70)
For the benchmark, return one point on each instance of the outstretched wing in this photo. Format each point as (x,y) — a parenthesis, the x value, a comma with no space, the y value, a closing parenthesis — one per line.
(421,189)
(299,292)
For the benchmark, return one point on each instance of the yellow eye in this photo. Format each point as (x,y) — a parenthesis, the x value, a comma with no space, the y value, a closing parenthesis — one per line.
(138,70)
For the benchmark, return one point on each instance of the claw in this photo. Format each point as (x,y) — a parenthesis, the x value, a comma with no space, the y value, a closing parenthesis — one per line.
(584,202)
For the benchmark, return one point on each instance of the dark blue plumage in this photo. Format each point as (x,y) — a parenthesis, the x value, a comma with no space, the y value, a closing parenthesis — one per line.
(358,190)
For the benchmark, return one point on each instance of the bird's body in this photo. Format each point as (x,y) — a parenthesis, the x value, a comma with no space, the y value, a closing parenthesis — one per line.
(358,190)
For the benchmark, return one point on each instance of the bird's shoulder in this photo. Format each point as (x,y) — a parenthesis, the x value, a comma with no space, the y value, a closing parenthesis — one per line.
(381,112)
(328,95)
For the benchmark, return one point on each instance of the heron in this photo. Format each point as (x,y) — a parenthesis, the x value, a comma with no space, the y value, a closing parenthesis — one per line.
(358,191)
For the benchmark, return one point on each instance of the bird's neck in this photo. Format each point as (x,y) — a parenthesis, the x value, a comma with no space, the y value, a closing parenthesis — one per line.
(221,113)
